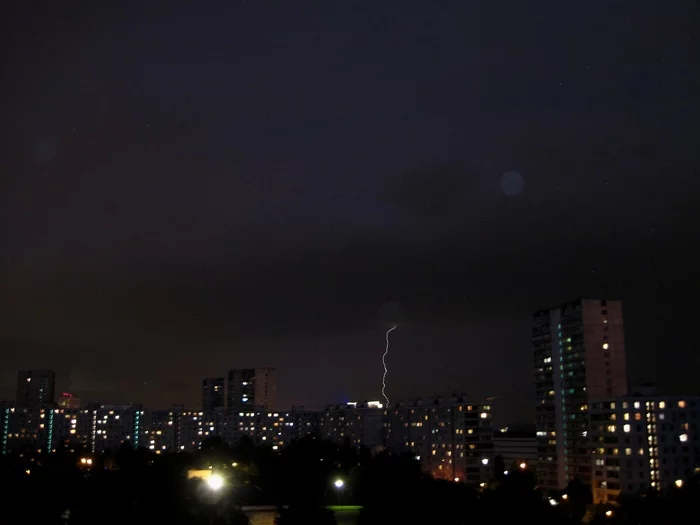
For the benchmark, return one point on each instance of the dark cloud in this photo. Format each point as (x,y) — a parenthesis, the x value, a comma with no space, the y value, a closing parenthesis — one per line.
(431,191)
(225,197)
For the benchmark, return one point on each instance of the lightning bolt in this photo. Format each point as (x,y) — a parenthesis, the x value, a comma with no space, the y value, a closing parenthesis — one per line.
(386,351)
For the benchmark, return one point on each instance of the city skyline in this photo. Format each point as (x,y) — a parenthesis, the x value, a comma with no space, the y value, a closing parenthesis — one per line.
(504,415)
(250,186)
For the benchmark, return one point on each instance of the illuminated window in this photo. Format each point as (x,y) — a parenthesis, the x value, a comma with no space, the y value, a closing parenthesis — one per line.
(626,428)
(681,404)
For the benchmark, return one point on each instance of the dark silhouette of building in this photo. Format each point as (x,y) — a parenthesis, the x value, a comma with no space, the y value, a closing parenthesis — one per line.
(35,388)
(213,393)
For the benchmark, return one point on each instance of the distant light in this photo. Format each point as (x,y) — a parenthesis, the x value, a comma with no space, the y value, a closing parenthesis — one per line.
(553,502)
(339,483)
(606,346)
(683,438)
(608,513)
(505,472)
(485,461)
(29,379)
(215,482)
(523,465)
(564,496)
(679,483)
(28,472)
(482,484)
(456,480)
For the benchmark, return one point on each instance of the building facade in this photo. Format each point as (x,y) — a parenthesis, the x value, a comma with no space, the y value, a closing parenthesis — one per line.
(35,388)
(252,388)
(579,354)
(643,443)
(358,423)
(516,448)
(451,437)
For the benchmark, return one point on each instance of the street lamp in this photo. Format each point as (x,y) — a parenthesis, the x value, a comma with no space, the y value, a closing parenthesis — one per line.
(339,484)
(215,482)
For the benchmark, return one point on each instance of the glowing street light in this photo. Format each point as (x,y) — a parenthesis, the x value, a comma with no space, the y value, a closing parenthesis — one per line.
(523,465)
(215,482)
(339,484)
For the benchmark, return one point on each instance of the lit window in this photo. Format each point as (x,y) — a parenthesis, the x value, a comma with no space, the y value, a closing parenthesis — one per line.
(605,346)
(626,428)
(683,438)
(681,404)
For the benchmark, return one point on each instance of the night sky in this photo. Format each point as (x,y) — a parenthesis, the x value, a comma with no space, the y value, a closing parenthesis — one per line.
(194,187)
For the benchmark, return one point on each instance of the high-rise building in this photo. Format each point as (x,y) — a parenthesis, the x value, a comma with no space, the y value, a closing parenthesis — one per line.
(35,388)
(643,443)
(213,393)
(579,354)
(252,387)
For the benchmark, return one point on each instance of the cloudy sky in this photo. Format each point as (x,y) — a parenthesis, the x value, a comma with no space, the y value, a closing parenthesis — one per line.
(186,189)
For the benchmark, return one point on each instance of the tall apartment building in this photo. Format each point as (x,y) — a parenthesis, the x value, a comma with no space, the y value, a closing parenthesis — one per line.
(35,388)
(451,437)
(252,388)
(642,443)
(579,354)
(213,393)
